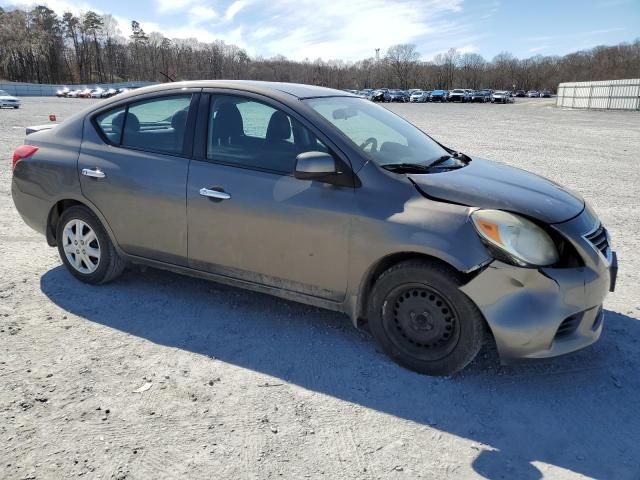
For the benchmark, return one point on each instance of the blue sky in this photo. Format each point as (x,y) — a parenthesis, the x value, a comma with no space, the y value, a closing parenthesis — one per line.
(352,29)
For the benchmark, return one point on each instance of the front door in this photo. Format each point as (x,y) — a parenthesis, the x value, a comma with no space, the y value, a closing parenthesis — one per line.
(133,167)
(262,224)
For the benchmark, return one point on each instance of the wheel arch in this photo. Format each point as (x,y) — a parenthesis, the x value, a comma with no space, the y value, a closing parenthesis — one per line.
(63,204)
(386,262)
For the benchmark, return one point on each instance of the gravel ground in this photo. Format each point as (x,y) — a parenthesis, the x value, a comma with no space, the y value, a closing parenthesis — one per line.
(163,376)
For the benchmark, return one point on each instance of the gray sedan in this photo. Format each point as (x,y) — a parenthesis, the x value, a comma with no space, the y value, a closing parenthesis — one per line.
(318,196)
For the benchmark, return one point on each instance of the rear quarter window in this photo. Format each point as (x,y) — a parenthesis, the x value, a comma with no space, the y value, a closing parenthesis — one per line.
(110,124)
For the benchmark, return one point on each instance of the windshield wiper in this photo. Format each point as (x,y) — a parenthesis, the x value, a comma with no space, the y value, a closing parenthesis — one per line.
(457,155)
(406,167)
(440,160)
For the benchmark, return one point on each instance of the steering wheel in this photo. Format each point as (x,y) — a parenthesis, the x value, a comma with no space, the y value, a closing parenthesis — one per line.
(370,141)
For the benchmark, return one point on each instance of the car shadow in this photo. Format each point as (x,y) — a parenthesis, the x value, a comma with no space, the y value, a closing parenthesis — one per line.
(578,412)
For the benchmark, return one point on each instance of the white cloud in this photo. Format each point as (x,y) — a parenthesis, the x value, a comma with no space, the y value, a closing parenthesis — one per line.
(234,8)
(202,13)
(165,6)
(348,30)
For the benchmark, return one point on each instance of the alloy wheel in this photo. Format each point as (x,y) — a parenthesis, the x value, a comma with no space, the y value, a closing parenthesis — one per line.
(81,246)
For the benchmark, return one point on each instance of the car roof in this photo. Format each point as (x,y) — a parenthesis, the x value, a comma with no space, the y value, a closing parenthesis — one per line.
(297,90)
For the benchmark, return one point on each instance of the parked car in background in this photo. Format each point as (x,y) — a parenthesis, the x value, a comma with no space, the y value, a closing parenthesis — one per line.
(501,96)
(432,264)
(520,93)
(366,93)
(419,96)
(398,96)
(97,92)
(459,95)
(438,96)
(7,100)
(73,93)
(85,93)
(110,92)
(533,94)
(381,95)
(62,92)
(545,94)
(480,96)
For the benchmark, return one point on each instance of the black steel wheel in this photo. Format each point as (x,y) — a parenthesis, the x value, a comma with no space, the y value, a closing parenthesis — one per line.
(422,320)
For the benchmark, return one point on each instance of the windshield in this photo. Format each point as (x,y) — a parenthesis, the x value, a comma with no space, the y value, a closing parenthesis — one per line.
(2,92)
(383,136)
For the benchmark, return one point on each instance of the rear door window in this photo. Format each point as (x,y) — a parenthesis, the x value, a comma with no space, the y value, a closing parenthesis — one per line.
(157,125)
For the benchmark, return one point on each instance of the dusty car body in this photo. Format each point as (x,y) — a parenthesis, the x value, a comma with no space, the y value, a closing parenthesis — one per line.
(338,225)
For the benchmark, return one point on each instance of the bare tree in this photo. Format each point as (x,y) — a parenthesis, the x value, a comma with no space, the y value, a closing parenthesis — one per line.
(402,60)
(36,45)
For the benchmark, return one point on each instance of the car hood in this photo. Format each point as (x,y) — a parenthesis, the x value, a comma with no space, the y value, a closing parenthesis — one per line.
(487,184)
(8,97)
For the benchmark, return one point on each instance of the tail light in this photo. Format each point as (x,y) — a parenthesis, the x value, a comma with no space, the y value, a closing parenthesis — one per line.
(22,152)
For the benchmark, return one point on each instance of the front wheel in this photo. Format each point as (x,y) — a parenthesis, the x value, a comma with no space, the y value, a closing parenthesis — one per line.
(85,248)
(423,321)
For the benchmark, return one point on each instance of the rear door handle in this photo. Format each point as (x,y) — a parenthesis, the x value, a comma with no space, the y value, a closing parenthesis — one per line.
(93,172)
(208,192)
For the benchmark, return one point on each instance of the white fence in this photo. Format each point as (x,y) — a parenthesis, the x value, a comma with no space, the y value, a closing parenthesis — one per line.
(20,89)
(608,94)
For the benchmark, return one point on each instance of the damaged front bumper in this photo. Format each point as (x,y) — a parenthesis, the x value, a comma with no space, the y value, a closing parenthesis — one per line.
(545,312)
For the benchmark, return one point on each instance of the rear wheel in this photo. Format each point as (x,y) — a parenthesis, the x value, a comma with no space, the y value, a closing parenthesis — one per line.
(85,248)
(423,321)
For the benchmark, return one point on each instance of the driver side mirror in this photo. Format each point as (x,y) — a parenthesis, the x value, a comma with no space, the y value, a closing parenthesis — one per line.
(318,166)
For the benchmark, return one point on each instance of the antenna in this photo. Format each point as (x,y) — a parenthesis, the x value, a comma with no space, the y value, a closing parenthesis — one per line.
(167,76)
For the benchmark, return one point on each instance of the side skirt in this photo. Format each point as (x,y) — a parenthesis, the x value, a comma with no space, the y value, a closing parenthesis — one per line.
(244,284)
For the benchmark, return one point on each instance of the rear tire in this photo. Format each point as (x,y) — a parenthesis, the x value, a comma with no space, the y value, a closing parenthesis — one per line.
(85,248)
(422,320)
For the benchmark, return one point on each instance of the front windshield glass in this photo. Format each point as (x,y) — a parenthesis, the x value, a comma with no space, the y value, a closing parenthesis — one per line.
(384,136)
(2,92)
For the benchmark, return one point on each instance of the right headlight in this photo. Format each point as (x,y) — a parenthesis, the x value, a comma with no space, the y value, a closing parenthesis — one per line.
(523,242)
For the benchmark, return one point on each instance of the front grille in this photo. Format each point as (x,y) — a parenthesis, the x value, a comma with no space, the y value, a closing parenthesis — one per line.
(599,240)
(569,325)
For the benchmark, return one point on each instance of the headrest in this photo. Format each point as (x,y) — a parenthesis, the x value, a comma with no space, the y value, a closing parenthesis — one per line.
(179,119)
(228,123)
(279,127)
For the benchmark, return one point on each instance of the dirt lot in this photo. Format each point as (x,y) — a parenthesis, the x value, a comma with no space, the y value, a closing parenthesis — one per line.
(163,376)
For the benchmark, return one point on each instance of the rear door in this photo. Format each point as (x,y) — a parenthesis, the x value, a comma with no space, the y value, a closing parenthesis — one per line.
(268,227)
(133,167)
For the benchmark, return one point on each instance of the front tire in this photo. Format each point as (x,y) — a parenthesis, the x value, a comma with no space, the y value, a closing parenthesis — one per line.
(85,248)
(422,320)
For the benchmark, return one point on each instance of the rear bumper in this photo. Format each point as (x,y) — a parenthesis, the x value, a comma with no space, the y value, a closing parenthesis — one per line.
(545,312)
(33,210)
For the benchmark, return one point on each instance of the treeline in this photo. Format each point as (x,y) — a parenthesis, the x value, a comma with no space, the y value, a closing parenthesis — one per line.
(39,46)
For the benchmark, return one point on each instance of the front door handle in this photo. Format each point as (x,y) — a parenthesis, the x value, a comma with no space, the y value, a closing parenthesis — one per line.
(208,192)
(93,172)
